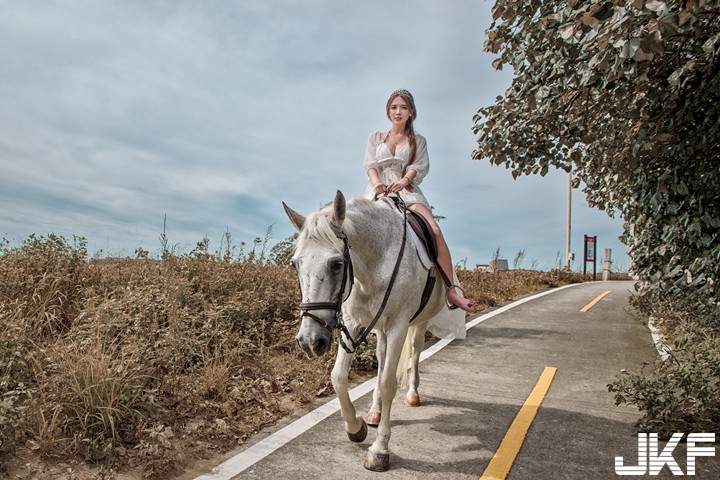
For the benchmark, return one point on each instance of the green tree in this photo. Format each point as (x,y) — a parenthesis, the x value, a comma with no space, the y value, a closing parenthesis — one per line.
(625,95)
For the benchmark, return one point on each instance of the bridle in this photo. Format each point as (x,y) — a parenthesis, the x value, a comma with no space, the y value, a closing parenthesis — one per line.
(336,305)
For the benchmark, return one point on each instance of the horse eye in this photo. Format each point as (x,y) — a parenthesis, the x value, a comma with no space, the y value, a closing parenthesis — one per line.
(337,265)
(294,264)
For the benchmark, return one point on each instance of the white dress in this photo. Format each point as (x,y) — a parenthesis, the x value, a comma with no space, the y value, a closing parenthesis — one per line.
(447,323)
(390,167)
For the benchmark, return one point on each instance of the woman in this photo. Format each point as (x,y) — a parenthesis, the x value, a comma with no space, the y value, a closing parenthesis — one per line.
(397,161)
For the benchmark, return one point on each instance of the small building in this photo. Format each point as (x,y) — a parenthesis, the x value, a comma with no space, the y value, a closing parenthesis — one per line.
(497,265)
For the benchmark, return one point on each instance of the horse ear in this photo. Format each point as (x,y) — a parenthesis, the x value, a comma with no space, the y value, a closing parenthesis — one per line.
(296,219)
(339,208)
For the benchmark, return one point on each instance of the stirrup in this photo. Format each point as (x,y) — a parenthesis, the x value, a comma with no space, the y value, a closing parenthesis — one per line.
(447,289)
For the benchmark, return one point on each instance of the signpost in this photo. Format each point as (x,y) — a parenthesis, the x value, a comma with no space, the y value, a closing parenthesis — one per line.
(590,254)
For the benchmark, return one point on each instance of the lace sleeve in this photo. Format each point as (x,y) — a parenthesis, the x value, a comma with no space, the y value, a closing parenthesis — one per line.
(421,165)
(370,160)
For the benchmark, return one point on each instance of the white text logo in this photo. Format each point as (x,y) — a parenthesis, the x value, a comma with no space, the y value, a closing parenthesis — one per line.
(648,454)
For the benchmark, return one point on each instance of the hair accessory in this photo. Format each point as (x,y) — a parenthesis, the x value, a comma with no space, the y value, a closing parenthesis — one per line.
(403,92)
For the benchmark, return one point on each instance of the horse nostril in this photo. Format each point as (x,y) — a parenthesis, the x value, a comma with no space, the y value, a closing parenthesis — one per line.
(320,345)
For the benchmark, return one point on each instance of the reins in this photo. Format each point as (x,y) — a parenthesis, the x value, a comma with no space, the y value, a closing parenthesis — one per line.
(305,308)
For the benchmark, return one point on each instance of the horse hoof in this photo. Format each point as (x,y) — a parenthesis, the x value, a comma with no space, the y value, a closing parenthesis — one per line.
(360,435)
(373,419)
(379,462)
(412,400)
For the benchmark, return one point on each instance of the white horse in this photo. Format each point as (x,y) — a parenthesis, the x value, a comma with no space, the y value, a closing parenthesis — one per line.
(361,240)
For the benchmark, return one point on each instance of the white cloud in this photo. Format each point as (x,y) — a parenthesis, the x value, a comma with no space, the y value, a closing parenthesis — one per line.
(116,114)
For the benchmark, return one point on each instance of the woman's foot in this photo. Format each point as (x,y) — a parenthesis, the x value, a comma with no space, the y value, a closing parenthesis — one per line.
(458,301)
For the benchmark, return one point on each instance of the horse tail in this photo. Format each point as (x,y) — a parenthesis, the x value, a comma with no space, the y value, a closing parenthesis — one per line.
(403,368)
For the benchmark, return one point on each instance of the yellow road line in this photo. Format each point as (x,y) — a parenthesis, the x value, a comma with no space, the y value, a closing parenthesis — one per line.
(504,457)
(592,304)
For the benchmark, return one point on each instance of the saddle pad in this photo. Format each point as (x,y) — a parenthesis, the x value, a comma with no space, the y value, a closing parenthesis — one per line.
(419,244)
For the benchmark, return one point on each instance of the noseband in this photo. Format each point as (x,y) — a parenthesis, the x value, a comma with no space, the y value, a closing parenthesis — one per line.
(307,307)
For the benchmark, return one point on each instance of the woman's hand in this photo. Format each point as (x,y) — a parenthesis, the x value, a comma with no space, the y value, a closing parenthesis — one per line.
(380,189)
(395,187)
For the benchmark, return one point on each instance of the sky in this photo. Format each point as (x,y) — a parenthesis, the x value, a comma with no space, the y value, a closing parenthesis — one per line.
(121,120)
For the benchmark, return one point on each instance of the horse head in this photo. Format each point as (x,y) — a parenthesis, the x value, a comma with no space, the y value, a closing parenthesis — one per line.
(324,270)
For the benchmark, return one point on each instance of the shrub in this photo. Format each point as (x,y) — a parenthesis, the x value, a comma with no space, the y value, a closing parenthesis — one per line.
(680,394)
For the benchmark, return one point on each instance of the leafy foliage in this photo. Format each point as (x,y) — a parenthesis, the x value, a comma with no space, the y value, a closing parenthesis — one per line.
(625,95)
(681,394)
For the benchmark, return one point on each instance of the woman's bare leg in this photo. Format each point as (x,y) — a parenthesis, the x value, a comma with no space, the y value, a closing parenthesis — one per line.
(443,258)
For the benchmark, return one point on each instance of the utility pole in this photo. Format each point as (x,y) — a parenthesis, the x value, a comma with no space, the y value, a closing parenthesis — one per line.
(567,233)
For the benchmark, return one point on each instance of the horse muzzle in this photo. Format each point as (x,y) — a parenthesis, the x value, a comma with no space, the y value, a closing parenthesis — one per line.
(315,333)
(314,344)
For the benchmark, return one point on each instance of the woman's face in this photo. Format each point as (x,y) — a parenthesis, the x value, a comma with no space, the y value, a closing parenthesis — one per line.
(399,111)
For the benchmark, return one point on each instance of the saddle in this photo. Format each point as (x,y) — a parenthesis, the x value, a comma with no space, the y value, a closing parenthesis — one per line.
(423,230)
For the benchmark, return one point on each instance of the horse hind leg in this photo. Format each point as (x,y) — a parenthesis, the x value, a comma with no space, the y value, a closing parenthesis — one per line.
(375,413)
(373,418)
(408,370)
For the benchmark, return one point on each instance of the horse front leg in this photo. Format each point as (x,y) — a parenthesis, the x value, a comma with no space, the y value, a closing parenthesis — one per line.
(378,457)
(355,426)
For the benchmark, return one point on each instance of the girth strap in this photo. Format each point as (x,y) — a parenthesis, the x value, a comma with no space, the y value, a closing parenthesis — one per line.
(427,291)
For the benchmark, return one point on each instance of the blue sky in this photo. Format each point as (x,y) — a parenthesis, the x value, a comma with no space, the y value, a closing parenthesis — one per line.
(117,115)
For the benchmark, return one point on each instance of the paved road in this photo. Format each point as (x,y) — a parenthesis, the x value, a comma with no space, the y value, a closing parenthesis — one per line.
(473,389)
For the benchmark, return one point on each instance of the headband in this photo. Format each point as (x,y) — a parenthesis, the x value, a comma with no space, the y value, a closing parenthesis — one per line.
(402,92)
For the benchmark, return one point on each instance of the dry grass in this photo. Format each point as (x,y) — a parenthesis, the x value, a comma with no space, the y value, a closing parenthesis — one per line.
(490,289)
(145,366)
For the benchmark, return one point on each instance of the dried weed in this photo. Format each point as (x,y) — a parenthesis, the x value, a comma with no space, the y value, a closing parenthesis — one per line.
(147,365)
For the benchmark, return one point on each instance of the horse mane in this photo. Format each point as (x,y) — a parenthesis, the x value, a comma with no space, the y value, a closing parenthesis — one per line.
(320,226)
